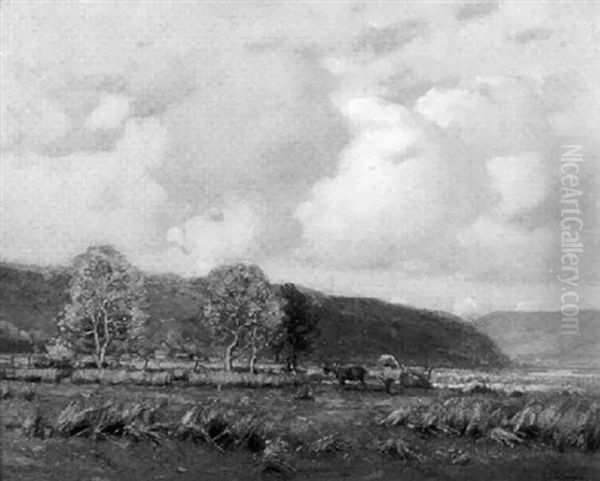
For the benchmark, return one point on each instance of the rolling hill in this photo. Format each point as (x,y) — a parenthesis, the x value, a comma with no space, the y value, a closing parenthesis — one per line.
(351,328)
(537,338)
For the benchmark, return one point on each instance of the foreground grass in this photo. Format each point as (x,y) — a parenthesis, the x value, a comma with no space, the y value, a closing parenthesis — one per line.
(562,421)
(337,431)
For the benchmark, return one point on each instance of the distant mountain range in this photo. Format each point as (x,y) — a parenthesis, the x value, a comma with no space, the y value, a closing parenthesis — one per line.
(352,328)
(538,338)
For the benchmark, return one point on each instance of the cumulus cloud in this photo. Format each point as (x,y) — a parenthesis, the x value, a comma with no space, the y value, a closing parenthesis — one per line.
(53,209)
(497,249)
(522,182)
(410,141)
(390,192)
(110,113)
(472,192)
(234,123)
(467,307)
(217,236)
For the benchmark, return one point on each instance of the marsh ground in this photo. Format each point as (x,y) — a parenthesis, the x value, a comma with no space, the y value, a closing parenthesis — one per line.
(351,415)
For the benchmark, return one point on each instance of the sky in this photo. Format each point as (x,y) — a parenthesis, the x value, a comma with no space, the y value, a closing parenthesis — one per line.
(403,150)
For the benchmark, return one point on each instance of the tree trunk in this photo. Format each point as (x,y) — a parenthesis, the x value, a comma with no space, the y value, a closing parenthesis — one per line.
(253,360)
(229,353)
(294,360)
(106,340)
(99,357)
(102,357)
(254,349)
(97,343)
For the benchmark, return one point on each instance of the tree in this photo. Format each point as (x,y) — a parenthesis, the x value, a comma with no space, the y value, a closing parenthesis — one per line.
(260,333)
(241,309)
(299,327)
(184,337)
(105,313)
(146,340)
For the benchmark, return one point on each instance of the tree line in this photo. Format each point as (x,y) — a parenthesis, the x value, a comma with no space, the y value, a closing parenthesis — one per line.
(107,314)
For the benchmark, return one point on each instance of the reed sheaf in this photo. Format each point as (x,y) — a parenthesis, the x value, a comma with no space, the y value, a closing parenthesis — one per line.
(52,375)
(563,421)
(224,428)
(136,420)
(164,377)
(218,426)
(122,376)
(241,379)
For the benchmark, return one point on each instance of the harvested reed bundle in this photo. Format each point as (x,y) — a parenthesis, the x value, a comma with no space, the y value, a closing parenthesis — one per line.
(222,428)
(460,415)
(503,436)
(329,444)
(48,375)
(121,376)
(564,421)
(472,416)
(398,448)
(36,375)
(111,418)
(180,374)
(153,378)
(413,378)
(276,459)
(5,391)
(35,426)
(86,376)
(239,379)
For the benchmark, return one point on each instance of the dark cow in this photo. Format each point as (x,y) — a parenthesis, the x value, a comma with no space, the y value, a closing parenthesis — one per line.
(346,373)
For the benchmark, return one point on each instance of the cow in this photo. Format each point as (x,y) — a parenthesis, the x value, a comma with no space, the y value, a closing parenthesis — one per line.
(346,373)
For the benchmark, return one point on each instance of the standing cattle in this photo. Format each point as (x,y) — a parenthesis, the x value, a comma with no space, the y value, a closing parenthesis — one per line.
(346,373)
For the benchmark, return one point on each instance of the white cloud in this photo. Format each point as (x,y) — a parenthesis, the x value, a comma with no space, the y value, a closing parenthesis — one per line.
(387,195)
(406,139)
(467,307)
(497,249)
(218,236)
(110,113)
(442,107)
(54,208)
(522,182)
